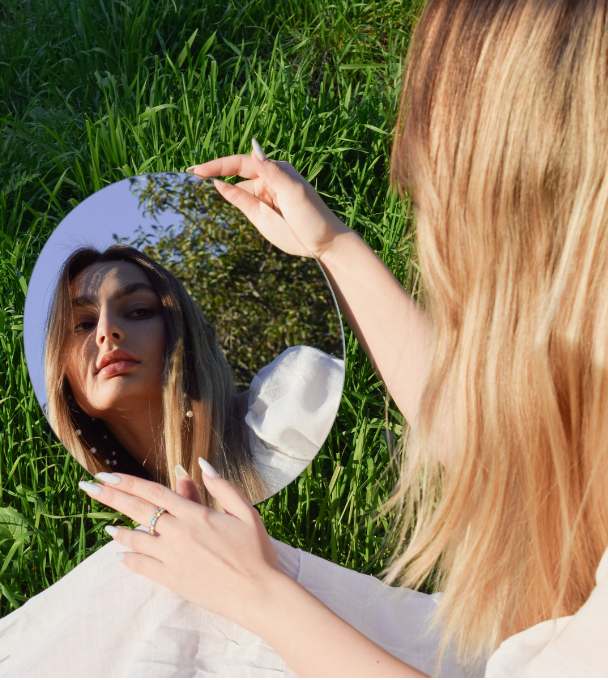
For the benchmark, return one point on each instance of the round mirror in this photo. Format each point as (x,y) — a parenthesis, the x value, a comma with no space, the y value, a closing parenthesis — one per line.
(160,326)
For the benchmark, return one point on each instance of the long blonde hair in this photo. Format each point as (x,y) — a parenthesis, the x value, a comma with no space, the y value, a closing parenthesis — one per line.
(502,140)
(197,378)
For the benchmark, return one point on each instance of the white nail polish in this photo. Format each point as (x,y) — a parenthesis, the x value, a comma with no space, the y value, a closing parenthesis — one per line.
(120,556)
(191,169)
(108,477)
(113,531)
(91,489)
(257,150)
(179,470)
(207,469)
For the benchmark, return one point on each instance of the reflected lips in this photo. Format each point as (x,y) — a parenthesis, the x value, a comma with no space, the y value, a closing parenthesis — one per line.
(116,368)
(115,362)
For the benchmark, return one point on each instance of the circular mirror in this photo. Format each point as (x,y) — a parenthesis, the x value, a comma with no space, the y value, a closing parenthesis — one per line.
(160,326)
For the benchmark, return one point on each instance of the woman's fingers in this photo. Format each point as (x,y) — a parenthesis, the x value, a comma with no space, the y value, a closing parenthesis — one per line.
(185,486)
(269,222)
(279,175)
(261,190)
(145,565)
(248,185)
(227,495)
(245,201)
(156,494)
(137,539)
(136,508)
(240,165)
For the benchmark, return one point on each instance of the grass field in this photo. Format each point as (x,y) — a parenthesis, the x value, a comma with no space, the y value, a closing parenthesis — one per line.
(93,91)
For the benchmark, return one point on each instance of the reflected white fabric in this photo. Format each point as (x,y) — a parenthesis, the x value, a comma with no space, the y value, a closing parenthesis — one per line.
(292,405)
(572,646)
(102,620)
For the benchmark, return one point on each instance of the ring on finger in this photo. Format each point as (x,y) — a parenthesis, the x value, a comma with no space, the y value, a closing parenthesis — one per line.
(154,519)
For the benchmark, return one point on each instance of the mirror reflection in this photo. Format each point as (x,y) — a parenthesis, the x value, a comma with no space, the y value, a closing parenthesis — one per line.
(173,330)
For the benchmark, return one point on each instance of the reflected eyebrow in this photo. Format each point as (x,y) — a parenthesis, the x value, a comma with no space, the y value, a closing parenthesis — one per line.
(83,301)
(133,288)
(130,288)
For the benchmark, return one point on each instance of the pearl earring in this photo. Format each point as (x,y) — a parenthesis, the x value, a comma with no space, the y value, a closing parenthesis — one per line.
(189,414)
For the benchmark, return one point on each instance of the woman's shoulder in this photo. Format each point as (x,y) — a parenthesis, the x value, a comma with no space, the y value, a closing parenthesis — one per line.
(571,646)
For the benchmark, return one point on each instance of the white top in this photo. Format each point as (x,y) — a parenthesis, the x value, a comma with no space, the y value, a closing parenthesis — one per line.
(571,646)
(102,620)
(292,405)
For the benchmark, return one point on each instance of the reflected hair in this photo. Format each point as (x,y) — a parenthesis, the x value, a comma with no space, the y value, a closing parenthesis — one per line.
(502,141)
(196,378)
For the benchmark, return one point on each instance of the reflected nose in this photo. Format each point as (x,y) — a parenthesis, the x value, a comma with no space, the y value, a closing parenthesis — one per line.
(108,328)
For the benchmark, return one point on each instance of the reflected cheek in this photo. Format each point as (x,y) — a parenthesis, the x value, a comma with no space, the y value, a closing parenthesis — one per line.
(77,372)
(154,341)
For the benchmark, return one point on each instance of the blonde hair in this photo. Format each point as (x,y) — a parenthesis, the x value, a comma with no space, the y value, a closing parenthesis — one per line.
(502,140)
(196,378)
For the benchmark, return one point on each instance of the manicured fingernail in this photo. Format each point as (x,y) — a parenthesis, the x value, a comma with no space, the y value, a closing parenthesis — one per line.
(179,470)
(113,531)
(207,469)
(257,150)
(191,169)
(91,489)
(108,477)
(120,556)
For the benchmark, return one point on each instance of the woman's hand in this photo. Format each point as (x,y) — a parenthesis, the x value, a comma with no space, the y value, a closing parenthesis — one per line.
(225,563)
(221,561)
(278,201)
(394,332)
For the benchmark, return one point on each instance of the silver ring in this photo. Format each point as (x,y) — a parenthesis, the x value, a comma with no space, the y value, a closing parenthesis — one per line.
(153,521)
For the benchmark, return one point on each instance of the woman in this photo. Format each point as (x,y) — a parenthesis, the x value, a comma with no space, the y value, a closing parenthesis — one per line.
(137,382)
(502,139)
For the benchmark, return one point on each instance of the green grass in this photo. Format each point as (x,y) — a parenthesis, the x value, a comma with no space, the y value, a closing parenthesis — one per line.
(93,91)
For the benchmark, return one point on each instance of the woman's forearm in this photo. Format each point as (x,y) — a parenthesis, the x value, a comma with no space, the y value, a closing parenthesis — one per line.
(393,330)
(314,641)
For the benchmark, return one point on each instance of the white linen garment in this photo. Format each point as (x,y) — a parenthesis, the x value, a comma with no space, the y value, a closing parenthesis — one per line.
(292,405)
(102,620)
(571,646)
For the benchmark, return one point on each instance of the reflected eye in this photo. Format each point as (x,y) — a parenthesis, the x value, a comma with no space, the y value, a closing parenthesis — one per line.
(84,326)
(141,313)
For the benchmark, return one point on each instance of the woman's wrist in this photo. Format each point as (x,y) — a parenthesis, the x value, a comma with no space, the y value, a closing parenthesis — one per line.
(267,599)
(329,254)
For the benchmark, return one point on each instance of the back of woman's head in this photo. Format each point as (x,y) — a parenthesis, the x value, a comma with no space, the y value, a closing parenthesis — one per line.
(502,141)
(197,380)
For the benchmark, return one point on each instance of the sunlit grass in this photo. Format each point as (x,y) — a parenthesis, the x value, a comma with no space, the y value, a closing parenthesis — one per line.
(94,91)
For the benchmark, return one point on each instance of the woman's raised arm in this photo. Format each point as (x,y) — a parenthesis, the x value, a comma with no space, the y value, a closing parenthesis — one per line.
(393,330)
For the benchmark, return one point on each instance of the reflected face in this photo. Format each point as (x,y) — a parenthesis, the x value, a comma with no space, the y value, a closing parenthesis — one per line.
(117,357)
